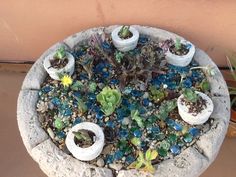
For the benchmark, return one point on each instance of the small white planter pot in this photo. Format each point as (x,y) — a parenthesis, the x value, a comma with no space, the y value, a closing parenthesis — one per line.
(53,73)
(89,153)
(200,118)
(125,45)
(181,60)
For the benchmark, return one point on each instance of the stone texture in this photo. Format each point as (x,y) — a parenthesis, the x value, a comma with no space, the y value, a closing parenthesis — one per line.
(211,141)
(37,73)
(56,163)
(189,163)
(31,132)
(221,108)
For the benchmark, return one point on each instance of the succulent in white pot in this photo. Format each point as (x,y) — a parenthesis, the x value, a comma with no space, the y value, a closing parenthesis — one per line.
(85,141)
(125,38)
(194,107)
(180,53)
(59,63)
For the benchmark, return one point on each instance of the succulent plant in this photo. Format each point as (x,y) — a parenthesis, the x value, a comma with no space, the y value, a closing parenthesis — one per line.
(177,44)
(157,95)
(81,106)
(60,53)
(78,85)
(166,108)
(205,85)
(92,86)
(82,135)
(109,99)
(144,162)
(59,124)
(124,32)
(135,116)
(190,95)
(119,56)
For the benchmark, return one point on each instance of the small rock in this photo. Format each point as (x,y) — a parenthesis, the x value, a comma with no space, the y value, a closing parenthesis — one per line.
(50,132)
(126,121)
(100,162)
(107,149)
(145,95)
(116,167)
(106,119)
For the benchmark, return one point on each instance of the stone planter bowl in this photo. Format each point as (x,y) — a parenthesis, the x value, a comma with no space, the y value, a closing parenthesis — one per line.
(125,45)
(183,60)
(191,162)
(89,153)
(53,73)
(201,117)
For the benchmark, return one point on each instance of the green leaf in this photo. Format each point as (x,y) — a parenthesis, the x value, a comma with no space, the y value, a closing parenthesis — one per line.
(177,44)
(138,165)
(148,155)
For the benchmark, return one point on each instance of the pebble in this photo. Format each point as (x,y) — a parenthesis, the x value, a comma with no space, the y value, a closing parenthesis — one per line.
(106,119)
(116,167)
(100,162)
(126,121)
(107,149)
(50,132)
(145,95)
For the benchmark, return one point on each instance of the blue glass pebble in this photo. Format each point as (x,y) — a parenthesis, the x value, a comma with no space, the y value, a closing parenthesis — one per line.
(142,39)
(106,46)
(92,96)
(175,149)
(99,115)
(105,74)
(61,134)
(109,159)
(146,102)
(178,127)
(118,155)
(77,121)
(46,89)
(77,94)
(110,124)
(187,83)
(194,131)
(129,159)
(56,101)
(67,112)
(123,133)
(114,81)
(137,133)
(188,138)
(136,93)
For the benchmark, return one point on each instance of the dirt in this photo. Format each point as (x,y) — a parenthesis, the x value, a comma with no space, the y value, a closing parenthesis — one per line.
(86,143)
(59,63)
(182,51)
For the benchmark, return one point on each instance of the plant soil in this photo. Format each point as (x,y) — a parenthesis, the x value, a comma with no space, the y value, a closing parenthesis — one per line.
(58,63)
(195,107)
(182,51)
(88,143)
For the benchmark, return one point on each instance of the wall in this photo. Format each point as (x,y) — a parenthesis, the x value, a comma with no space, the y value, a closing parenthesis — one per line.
(28,27)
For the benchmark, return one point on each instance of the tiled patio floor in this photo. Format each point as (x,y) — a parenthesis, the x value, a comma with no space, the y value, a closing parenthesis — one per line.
(15,161)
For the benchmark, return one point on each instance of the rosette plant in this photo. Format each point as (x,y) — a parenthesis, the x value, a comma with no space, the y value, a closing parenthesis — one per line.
(109,99)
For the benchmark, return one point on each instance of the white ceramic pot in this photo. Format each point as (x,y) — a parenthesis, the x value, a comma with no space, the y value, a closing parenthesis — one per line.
(181,60)
(201,117)
(125,45)
(53,73)
(89,153)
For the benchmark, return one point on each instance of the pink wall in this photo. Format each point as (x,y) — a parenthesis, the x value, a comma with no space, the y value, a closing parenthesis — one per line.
(28,27)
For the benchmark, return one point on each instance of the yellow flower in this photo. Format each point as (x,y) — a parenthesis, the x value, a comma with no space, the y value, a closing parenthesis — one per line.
(66,80)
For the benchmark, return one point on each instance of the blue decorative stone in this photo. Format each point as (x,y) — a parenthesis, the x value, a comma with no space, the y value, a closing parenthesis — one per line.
(170,122)
(67,112)
(153,130)
(178,127)
(96,109)
(83,76)
(187,83)
(105,74)
(61,135)
(110,124)
(109,159)
(77,121)
(56,101)
(91,96)
(118,155)
(114,81)
(46,89)
(99,115)
(136,93)
(137,133)
(188,138)
(89,104)
(123,133)
(194,131)
(175,149)
(146,102)
(142,39)
(127,90)
(106,46)
(129,159)
(77,94)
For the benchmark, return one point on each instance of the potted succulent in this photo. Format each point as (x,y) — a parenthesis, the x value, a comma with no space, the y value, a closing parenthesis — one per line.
(194,107)
(125,38)
(59,63)
(180,53)
(85,141)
